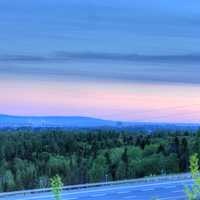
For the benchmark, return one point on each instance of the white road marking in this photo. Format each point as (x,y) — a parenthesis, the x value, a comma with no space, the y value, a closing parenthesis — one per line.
(174,197)
(150,189)
(129,197)
(168,187)
(98,195)
(177,191)
(125,192)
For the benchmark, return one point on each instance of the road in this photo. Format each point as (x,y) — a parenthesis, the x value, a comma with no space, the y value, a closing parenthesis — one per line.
(163,190)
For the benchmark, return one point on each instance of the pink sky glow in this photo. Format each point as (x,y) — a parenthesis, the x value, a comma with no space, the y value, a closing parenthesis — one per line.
(116,101)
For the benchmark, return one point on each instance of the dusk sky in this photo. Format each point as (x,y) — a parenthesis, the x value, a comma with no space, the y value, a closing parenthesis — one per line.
(129,60)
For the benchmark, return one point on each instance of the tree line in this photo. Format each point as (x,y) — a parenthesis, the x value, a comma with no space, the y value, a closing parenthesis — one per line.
(30,157)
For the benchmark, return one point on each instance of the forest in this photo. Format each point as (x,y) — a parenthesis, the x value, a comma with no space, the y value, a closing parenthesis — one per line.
(30,157)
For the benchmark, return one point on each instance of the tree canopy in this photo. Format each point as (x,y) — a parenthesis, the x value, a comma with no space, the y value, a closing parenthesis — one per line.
(30,157)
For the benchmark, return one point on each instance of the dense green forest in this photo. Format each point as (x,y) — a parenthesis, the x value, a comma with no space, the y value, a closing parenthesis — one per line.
(30,157)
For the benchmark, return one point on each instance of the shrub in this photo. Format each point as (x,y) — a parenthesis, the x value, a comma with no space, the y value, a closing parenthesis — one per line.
(56,185)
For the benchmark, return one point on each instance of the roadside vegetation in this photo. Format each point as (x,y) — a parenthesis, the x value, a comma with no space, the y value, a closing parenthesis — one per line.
(56,185)
(29,158)
(193,192)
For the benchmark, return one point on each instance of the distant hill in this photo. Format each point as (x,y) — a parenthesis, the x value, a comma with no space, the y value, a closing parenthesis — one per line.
(53,121)
(85,122)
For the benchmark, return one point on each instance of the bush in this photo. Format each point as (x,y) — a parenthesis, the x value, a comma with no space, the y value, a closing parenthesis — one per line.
(56,184)
(193,193)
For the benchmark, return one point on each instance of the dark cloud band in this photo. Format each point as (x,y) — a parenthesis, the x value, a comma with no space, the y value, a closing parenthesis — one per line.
(105,66)
(63,56)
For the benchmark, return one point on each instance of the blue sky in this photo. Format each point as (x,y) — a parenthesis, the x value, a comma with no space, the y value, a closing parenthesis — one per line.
(146,28)
(123,41)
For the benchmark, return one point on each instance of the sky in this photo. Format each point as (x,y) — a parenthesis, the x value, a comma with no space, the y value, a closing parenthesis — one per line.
(113,59)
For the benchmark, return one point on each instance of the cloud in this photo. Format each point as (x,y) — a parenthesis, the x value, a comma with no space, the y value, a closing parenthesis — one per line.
(105,66)
(64,56)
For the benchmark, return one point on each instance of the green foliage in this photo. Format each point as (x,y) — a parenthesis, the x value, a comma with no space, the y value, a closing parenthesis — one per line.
(29,157)
(99,169)
(56,185)
(193,193)
(8,181)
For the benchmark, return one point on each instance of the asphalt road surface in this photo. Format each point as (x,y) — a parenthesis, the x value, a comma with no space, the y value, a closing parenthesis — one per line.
(163,190)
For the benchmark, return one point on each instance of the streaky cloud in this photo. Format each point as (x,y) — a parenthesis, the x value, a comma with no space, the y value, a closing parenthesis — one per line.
(64,56)
(104,66)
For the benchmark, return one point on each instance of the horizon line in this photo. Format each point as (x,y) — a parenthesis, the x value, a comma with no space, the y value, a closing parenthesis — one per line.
(95,118)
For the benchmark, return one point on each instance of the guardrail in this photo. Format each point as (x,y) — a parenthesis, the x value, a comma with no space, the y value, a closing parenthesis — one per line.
(82,186)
